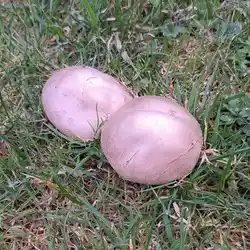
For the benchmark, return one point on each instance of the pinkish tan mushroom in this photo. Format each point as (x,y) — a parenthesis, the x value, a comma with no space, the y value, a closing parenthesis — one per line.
(77,100)
(152,140)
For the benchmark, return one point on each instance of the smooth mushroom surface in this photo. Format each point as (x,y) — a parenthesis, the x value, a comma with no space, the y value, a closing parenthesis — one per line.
(78,99)
(152,140)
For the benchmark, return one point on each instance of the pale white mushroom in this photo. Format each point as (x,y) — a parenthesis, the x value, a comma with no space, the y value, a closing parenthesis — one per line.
(152,140)
(77,100)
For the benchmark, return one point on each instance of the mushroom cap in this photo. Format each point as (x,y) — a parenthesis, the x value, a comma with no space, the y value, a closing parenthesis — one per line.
(152,140)
(78,99)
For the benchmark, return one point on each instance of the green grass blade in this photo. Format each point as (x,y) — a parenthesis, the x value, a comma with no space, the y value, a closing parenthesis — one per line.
(93,17)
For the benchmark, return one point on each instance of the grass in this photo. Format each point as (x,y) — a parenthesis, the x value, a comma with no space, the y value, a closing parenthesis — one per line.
(59,194)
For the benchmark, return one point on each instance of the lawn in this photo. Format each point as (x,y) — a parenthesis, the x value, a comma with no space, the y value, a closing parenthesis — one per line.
(56,193)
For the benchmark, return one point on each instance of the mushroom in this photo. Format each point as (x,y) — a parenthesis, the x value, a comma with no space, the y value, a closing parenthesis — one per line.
(152,140)
(77,100)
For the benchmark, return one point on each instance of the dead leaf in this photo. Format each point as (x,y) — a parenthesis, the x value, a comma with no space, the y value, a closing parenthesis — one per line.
(47,199)
(3,149)
(177,209)
(163,69)
(118,42)
(36,182)
(171,89)
(52,41)
(248,91)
